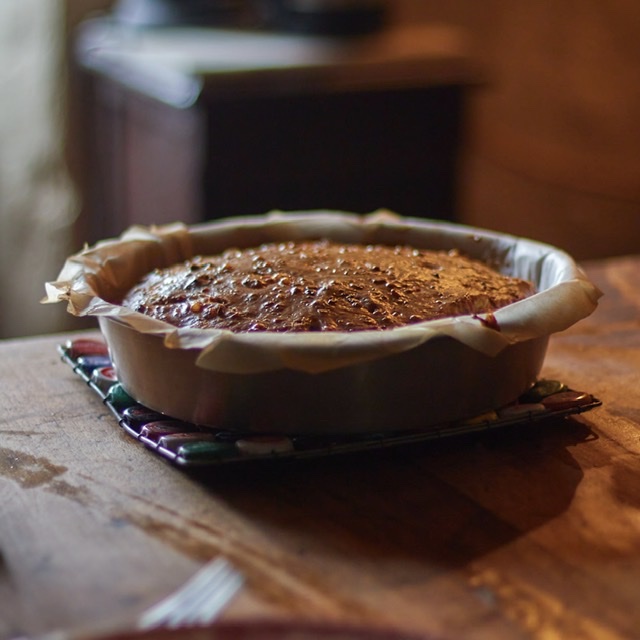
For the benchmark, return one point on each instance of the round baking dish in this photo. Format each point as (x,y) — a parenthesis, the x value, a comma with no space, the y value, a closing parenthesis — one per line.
(408,378)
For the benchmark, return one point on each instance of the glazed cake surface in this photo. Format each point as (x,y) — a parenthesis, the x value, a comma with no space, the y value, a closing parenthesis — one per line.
(322,285)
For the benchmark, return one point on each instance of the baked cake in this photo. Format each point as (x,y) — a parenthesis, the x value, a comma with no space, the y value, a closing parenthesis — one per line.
(322,285)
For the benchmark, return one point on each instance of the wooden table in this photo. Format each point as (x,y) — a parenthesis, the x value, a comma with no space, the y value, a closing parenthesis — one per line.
(530,533)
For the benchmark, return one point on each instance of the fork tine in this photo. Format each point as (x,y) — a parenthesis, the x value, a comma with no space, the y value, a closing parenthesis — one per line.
(201,601)
(198,601)
(206,607)
(158,614)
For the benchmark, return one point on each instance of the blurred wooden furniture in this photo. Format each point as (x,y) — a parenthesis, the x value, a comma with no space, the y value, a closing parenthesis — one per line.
(554,142)
(194,123)
(527,533)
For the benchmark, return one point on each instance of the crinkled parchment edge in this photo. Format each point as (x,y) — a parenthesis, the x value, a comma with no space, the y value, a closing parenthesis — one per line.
(93,280)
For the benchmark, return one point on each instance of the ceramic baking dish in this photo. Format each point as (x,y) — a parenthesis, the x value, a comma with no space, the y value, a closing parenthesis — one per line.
(372,381)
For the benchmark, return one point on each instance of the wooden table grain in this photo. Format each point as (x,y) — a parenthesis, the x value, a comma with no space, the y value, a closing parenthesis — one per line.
(527,533)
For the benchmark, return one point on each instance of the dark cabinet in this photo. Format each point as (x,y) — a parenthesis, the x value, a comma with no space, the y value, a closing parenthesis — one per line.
(194,124)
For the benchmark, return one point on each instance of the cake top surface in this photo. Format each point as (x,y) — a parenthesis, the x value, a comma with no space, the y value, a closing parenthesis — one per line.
(321,285)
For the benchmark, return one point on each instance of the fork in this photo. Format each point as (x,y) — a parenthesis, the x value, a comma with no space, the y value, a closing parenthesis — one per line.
(198,601)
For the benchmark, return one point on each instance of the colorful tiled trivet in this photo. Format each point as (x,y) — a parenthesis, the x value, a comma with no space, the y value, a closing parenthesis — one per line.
(189,445)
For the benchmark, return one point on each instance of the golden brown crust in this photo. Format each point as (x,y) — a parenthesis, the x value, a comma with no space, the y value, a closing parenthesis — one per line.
(322,286)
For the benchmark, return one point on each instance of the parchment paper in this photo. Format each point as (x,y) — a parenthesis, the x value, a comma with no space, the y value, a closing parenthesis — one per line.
(93,281)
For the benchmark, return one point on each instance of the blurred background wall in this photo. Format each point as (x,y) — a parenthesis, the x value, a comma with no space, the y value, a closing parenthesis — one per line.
(37,199)
(552,148)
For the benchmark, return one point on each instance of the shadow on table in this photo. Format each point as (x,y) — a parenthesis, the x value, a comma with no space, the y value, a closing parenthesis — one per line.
(440,504)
